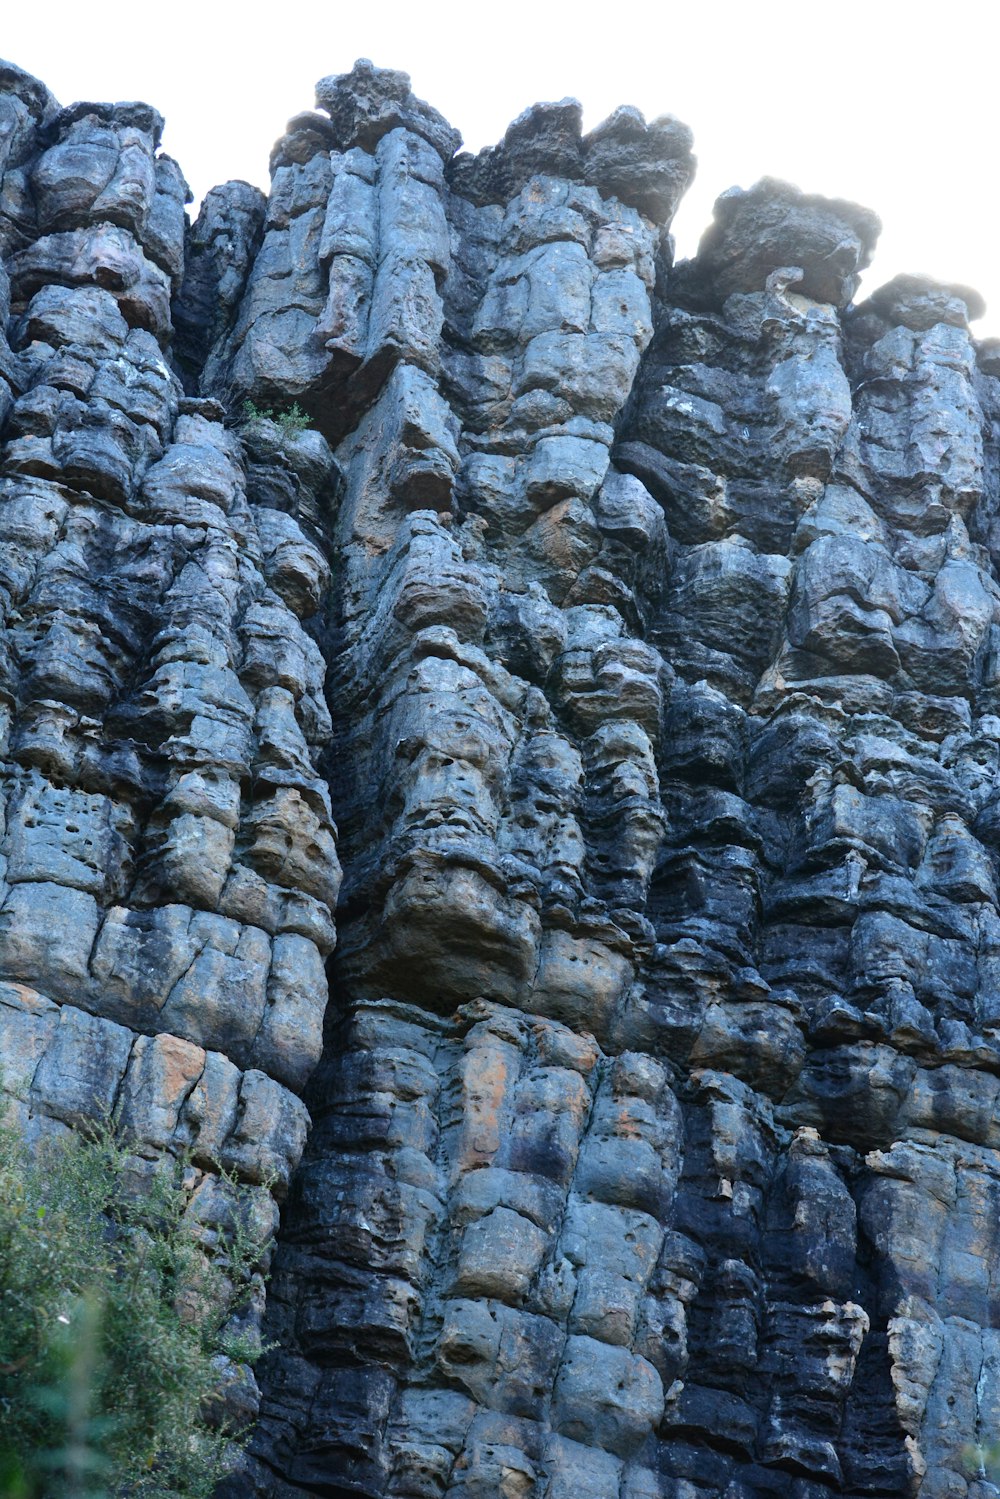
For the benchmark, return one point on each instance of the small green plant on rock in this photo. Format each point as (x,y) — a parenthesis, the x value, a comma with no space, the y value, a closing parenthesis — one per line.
(292,421)
(982,1460)
(110,1321)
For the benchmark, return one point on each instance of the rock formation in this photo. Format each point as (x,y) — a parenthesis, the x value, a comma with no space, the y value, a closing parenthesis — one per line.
(638,625)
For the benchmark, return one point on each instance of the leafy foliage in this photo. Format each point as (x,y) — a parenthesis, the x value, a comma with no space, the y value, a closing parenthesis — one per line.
(110,1315)
(292,421)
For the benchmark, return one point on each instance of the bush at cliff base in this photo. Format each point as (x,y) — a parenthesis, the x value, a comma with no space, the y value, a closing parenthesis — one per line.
(107,1376)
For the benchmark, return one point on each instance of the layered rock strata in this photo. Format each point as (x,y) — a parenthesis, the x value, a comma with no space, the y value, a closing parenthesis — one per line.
(168,861)
(637,624)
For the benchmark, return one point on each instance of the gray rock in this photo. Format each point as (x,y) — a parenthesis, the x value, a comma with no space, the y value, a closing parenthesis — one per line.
(615,656)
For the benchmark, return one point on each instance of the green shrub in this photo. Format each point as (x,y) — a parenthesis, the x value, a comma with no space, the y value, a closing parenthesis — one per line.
(292,421)
(110,1318)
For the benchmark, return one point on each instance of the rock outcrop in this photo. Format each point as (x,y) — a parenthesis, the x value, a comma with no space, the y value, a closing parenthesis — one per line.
(638,625)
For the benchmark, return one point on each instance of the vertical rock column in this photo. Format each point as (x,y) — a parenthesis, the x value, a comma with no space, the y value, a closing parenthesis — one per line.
(475,1144)
(827,891)
(168,863)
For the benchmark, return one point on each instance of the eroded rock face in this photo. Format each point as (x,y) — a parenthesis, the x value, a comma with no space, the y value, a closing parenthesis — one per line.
(169,870)
(638,626)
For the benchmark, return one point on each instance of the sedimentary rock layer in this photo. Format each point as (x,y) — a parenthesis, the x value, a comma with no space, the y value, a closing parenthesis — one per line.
(167,859)
(639,626)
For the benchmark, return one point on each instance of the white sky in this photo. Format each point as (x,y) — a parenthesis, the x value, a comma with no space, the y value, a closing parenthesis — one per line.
(892,104)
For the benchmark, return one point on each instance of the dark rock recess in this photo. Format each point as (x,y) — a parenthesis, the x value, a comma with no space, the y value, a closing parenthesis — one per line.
(639,626)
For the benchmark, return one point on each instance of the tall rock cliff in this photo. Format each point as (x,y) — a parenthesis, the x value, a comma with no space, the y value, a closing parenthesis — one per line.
(638,625)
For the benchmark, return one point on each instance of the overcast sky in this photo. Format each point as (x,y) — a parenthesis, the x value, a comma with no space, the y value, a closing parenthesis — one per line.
(891,104)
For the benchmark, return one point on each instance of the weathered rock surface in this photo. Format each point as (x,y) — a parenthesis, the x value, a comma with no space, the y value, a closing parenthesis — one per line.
(639,626)
(168,871)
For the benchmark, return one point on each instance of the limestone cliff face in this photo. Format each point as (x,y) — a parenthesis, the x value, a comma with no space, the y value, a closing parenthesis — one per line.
(639,627)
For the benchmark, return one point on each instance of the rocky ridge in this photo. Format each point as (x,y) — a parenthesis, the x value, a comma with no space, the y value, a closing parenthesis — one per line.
(638,625)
